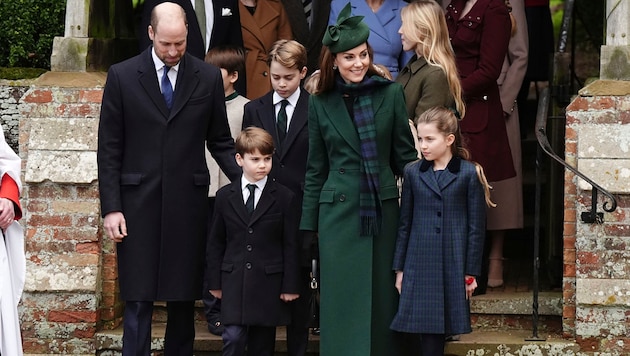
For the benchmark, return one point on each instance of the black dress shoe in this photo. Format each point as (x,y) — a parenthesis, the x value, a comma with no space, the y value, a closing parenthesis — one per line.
(216,328)
(315,331)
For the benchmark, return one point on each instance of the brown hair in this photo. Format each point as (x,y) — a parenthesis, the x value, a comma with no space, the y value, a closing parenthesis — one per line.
(289,53)
(229,57)
(252,139)
(327,72)
(446,122)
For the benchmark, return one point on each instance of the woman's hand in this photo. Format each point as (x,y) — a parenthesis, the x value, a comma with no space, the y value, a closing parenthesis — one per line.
(471,285)
(7,213)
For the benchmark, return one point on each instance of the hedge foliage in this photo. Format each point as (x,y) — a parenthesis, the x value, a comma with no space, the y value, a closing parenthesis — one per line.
(27,29)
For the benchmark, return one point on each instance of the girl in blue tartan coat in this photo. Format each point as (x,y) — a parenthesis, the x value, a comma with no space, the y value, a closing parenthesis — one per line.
(440,235)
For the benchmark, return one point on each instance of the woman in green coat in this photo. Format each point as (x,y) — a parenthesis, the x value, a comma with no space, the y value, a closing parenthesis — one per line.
(359,140)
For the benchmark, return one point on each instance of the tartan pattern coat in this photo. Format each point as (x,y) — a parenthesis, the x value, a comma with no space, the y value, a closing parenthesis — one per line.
(358,298)
(440,239)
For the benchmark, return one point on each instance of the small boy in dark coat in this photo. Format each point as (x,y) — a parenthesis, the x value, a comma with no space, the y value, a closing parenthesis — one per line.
(252,250)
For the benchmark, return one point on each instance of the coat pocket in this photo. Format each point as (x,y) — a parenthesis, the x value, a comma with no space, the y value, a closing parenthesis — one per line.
(227,267)
(199,99)
(130,179)
(389,192)
(272,269)
(327,196)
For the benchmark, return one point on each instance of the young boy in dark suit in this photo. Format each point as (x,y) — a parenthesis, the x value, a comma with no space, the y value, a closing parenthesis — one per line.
(253,250)
(283,112)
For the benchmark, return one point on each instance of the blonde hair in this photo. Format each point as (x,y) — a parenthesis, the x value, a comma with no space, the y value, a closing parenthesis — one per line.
(446,122)
(424,24)
(289,53)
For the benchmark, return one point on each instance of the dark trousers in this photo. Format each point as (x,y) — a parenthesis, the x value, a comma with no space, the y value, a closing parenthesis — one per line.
(297,331)
(259,340)
(432,344)
(211,305)
(180,328)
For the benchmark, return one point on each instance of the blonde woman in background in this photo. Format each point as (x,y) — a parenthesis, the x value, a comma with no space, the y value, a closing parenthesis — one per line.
(430,78)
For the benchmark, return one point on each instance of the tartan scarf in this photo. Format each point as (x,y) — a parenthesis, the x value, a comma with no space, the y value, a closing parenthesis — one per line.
(363,118)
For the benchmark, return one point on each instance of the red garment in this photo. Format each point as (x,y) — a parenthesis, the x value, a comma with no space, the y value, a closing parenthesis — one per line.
(480,40)
(532,3)
(10,190)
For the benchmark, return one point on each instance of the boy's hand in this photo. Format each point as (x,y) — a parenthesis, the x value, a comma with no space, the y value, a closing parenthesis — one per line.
(288,297)
(217,293)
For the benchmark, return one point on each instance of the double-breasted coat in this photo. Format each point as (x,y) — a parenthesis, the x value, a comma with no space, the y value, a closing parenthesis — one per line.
(440,240)
(358,300)
(268,24)
(289,159)
(480,40)
(152,168)
(384,25)
(253,259)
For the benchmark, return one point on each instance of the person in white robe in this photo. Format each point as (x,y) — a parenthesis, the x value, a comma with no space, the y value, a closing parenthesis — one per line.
(12,258)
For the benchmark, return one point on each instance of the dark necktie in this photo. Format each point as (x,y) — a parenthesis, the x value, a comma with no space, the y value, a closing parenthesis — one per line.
(200,11)
(308,10)
(249,204)
(167,88)
(282,120)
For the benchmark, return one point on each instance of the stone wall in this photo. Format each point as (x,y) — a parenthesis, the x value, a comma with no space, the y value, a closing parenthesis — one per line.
(70,287)
(596,273)
(10,94)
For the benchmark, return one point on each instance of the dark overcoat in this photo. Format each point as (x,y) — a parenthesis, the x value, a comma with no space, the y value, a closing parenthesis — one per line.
(309,35)
(152,168)
(358,298)
(253,259)
(225,31)
(440,240)
(480,40)
(289,160)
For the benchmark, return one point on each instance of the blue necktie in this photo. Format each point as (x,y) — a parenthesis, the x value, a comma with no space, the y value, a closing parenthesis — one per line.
(167,88)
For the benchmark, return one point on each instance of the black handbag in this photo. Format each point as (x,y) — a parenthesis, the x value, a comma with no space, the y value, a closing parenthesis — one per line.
(313,319)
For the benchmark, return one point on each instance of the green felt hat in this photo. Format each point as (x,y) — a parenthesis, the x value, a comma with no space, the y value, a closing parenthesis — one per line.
(349,32)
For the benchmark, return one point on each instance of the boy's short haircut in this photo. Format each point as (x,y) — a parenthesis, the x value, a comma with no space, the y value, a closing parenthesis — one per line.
(231,58)
(289,53)
(252,139)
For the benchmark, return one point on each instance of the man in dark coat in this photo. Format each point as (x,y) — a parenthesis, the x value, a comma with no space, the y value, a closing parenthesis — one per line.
(224,28)
(309,31)
(158,110)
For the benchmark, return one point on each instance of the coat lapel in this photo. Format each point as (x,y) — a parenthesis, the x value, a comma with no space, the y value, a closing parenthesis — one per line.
(147,77)
(338,115)
(187,80)
(237,203)
(428,177)
(267,117)
(265,202)
(297,122)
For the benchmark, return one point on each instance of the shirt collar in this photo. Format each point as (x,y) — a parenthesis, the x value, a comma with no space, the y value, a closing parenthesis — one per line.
(260,184)
(293,98)
(158,62)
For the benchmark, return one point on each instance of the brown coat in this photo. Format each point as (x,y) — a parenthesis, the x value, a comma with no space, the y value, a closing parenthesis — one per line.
(268,24)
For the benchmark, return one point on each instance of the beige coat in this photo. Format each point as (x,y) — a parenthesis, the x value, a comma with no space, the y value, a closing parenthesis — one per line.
(268,24)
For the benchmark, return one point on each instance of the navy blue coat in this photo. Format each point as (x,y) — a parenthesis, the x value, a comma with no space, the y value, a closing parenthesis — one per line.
(440,239)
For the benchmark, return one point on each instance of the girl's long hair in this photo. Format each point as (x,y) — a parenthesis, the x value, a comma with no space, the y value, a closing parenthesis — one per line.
(424,24)
(447,123)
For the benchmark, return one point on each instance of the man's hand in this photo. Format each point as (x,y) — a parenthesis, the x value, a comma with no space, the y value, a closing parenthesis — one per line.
(7,213)
(217,293)
(288,297)
(115,226)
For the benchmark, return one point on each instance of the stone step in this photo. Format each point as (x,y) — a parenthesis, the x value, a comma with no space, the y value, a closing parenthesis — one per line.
(496,342)
(502,322)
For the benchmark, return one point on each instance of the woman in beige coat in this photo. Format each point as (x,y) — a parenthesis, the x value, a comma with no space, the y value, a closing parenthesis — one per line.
(263,22)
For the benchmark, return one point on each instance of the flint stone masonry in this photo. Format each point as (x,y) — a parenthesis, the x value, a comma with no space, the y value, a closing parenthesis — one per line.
(10,93)
(70,290)
(596,273)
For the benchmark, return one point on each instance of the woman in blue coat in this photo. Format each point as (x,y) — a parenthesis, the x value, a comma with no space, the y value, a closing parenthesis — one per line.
(383,19)
(359,140)
(440,234)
